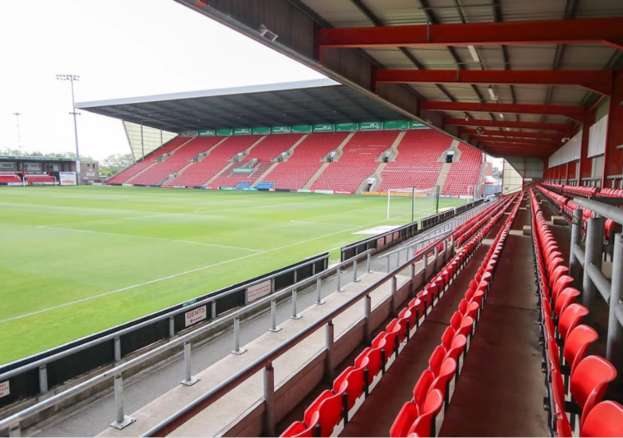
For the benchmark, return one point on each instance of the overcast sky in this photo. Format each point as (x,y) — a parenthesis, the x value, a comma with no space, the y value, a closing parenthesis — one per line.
(120,48)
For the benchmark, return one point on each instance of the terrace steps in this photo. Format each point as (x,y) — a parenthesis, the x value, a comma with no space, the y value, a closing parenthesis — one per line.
(141,172)
(219,173)
(395,145)
(264,175)
(443,174)
(294,146)
(250,148)
(315,176)
(340,149)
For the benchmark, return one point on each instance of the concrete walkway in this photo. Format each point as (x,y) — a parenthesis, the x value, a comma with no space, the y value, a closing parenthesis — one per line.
(500,390)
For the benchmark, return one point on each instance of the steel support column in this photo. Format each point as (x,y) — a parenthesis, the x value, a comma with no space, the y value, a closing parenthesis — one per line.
(613,157)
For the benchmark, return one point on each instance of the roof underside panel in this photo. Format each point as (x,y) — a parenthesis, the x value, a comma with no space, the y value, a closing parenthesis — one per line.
(315,105)
(339,13)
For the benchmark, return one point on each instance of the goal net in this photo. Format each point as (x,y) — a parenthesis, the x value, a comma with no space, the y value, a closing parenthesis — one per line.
(411,203)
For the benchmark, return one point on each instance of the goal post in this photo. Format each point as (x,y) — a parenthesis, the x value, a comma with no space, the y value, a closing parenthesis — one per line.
(413,194)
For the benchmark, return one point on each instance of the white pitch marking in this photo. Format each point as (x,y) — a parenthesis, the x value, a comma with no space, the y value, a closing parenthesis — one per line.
(190,242)
(157,280)
(322,223)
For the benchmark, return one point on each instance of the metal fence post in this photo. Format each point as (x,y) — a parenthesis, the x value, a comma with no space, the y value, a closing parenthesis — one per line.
(614,349)
(436,255)
(339,281)
(575,266)
(328,364)
(319,300)
(367,310)
(592,254)
(394,283)
(273,317)
(15,430)
(355,271)
(213,309)
(368,257)
(189,380)
(171,327)
(237,349)
(294,314)
(43,379)
(425,262)
(117,344)
(269,400)
(122,420)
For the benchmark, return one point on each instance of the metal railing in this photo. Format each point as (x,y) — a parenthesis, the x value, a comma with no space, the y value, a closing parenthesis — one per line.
(442,231)
(265,362)
(122,420)
(585,266)
(209,302)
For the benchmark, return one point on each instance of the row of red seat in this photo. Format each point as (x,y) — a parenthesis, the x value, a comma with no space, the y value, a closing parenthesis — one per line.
(587,192)
(331,406)
(565,343)
(467,229)
(417,416)
(567,206)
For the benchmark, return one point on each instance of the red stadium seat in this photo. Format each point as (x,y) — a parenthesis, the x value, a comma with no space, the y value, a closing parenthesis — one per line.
(589,381)
(405,419)
(570,318)
(576,344)
(422,388)
(605,419)
(564,299)
(355,379)
(423,426)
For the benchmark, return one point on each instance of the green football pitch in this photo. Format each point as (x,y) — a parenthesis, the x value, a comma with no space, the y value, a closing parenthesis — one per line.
(78,260)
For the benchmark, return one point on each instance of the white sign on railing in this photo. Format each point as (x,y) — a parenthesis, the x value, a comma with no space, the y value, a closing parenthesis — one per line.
(5,389)
(196,315)
(258,291)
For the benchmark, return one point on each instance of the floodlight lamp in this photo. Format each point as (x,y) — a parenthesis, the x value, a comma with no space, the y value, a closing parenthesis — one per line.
(492,93)
(272,36)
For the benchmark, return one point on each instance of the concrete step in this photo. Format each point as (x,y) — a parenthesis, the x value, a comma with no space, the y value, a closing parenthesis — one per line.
(443,174)
(315,176)
(262,176)
(340,148)
(219,173)
(396,145)
(294,146)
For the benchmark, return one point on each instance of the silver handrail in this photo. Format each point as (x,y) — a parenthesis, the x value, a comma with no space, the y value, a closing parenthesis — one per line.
(116,373)
(266,361)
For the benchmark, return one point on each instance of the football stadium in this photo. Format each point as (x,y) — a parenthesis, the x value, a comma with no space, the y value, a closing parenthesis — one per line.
(335,257)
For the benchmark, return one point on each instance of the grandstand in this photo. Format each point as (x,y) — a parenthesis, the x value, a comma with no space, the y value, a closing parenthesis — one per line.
(491,316)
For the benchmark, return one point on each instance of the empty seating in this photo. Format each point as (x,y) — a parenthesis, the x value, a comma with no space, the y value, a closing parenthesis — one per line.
(262,155)
(9,178)
(132,171)
(418,161)
(357,162)
(418,415)
(307,158)
(560,318)
(199,173)
(464,174)
(40,179)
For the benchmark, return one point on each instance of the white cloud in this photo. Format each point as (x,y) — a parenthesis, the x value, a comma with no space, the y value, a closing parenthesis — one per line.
(119,48)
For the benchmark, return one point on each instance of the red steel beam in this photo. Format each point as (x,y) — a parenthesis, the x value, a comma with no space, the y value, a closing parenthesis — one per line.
(598,81)
(543,143)
(575,112)
(561,127)
(512,134)
(591,30)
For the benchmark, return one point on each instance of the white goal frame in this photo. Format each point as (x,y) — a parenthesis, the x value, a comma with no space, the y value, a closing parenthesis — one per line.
(413,192)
